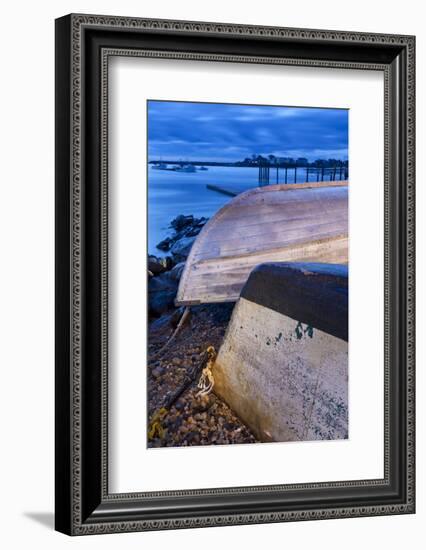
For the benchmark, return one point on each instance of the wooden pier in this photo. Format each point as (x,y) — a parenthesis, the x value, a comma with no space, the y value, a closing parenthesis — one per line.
(275,174)
(283,175)
(230,191)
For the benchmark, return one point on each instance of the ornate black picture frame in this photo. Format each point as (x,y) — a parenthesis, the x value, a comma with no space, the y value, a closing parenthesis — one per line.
(83,45)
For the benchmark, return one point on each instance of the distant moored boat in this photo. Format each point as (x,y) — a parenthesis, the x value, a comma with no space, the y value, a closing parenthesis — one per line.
(189,168)
(160,166)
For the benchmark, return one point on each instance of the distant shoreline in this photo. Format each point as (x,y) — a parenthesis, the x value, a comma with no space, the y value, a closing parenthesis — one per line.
(256,163)
(198,163)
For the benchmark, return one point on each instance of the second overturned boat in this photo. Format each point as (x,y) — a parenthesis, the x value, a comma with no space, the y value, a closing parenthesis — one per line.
(277,223)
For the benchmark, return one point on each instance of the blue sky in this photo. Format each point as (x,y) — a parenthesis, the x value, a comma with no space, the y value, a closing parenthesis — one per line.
(228,132)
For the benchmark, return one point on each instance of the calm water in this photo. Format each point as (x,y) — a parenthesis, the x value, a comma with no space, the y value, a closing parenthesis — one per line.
(174,193)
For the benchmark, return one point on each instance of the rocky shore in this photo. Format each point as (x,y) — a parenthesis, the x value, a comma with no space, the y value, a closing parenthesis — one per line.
(177,416)
(164,273)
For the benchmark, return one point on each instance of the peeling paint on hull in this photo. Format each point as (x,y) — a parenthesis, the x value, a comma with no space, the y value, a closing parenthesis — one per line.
(285,385)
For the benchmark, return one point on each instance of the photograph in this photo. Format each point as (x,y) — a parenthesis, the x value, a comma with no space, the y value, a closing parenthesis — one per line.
(234,272)
(248,260)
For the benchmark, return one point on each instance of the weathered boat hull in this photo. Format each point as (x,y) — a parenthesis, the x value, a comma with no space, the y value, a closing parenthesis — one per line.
(277,223)
(283,364)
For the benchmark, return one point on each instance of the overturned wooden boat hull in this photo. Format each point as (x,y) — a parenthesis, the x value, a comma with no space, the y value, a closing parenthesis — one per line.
(277,223)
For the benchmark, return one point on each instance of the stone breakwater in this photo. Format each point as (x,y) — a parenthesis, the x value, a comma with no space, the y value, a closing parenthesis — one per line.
(164,273)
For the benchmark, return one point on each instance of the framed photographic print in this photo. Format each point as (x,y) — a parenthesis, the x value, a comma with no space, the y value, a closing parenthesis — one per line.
(234,274)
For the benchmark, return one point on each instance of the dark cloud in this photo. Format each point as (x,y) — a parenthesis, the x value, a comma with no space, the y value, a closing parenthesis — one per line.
(215,131)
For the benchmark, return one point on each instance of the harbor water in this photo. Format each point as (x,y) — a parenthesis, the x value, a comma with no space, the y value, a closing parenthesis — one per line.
(173,193)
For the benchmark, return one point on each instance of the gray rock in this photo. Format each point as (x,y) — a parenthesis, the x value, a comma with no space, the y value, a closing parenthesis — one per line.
(167,262)
(167,322)
(161,283)
(165,244)
(193,437)
(158,371)
(180,250)
(176,272)
(182,221)
(184,227)
(158,265)
(193,232)
(161,293)
(159,303)
(162,324)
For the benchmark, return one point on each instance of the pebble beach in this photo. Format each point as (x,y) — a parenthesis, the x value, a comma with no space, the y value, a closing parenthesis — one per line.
(177,343)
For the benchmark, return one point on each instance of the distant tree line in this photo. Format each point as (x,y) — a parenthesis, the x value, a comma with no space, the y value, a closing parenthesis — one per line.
(260,160)
(287,162)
